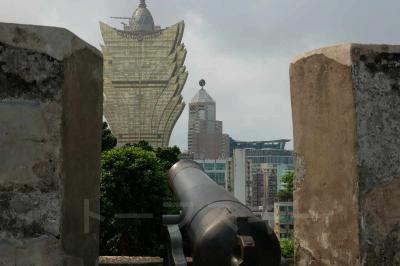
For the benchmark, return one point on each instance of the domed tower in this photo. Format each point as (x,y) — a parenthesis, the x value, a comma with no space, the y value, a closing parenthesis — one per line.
(142,20)
(144,75)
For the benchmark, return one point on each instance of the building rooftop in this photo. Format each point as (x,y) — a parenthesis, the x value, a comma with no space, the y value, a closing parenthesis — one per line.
(142,20)
(202,97)
(266,144)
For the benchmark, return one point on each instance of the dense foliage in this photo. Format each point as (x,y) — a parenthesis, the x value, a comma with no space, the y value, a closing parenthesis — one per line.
(108,140)
(168,156)
(134,191)
(287,193)
(287,247)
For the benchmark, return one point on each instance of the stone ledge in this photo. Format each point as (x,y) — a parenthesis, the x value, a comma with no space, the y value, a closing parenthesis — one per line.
(155,261)
(124,261)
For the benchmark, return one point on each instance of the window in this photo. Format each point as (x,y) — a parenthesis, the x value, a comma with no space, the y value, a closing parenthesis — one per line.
(282,208)
(220,178)
(202,114)
(209,166)
(290,208)
(212,176)
(220,166)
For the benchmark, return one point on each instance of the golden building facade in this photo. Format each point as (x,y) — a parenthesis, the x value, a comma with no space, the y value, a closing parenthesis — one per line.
(144,75)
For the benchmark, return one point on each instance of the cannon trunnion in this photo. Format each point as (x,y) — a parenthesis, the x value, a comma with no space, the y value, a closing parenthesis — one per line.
(214,228)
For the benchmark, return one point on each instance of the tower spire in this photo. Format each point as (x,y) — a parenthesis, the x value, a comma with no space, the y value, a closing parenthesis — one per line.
(142,3)
(202,83)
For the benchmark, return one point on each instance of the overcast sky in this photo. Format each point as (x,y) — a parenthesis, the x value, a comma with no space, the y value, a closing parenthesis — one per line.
(241,48)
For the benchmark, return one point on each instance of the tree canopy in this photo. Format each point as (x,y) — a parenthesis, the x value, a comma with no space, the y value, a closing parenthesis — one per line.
(108,140)
(286,194)
(287,247)
(134,191)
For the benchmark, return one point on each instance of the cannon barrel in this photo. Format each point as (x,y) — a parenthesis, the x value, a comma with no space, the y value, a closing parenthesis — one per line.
(220,230)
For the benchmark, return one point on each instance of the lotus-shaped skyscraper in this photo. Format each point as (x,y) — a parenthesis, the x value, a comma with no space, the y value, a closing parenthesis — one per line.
(143,78)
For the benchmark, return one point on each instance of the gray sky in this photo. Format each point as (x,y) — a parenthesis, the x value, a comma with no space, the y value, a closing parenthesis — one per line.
(242,48)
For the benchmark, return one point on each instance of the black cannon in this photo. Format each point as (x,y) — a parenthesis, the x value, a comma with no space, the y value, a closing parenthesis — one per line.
(214,228)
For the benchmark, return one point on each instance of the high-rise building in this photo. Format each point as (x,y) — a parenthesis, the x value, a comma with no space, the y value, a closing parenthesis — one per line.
(215,169)
(205,132)
(258,157)
(230,144)
(255,158)
(283,220)
(226,146)
(143,78)
(270,186)
(238,177)
(185,155)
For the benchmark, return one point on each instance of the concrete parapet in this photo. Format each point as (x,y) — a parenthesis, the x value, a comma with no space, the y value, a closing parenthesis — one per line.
(50,142)
(346,117)
(134,261)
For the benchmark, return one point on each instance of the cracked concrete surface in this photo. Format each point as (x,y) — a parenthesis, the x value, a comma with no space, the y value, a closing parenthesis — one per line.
(346,106)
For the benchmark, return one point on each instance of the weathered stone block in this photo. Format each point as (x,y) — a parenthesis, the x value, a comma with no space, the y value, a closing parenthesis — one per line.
(50,142)
(346,117)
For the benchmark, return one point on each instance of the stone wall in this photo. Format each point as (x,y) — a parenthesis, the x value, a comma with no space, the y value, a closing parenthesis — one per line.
(346,117)
(50,139)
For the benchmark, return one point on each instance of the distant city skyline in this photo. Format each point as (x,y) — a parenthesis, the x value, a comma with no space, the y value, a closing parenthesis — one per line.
(242,48)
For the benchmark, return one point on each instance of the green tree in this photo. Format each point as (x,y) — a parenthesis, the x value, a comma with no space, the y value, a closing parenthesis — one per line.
(143,145)
(286,194)
(287,247)
(168,156)
(108,140)
(134,182)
